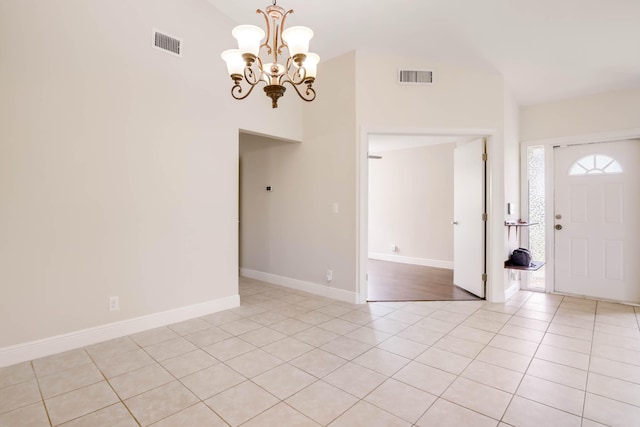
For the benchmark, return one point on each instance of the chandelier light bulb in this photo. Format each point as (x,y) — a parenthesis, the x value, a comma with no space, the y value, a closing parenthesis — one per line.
(249,38)
(235,63)
(311,65)
(297,40)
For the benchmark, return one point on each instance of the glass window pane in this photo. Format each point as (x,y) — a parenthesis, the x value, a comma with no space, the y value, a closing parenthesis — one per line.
(535,161)
(588,162)
(595,164)
(602,161)
(614,168)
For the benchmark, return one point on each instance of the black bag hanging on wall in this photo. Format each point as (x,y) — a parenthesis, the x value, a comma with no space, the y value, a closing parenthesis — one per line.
(521,257)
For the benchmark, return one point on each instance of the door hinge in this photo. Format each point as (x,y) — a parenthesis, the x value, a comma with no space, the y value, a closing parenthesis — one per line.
(484,157)
(484,217)
(484,277)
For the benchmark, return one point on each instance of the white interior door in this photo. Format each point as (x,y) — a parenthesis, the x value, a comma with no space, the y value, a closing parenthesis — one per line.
(468,223)
(597,206)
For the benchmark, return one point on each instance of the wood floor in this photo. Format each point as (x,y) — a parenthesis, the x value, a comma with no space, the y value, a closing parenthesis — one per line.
(391,281)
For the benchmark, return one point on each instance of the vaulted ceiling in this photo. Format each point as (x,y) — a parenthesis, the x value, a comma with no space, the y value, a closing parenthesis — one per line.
(546,49)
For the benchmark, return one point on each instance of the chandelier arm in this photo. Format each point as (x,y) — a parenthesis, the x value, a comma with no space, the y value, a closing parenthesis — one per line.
(277,47)
(266,40)
(309,92)
(298,77)
(236,90)
(283,19)
(251,76)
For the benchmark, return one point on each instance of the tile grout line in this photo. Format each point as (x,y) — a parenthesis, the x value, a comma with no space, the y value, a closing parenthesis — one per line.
(440,396)
(44,404)
(586,386)
(111,387)
(524,374)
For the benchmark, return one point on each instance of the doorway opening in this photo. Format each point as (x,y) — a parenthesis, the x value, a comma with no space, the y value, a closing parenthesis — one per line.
(411,224)
(261,189)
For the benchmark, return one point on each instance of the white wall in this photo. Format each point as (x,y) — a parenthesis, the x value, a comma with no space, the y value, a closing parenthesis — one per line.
(292,232)
(611,111)
(458,98)
(118,162)
(411,204)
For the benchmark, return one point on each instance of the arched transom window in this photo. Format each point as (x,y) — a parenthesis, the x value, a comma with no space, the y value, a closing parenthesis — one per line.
(595,164)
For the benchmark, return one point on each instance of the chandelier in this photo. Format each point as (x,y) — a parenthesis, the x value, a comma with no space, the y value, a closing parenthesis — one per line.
(245,64)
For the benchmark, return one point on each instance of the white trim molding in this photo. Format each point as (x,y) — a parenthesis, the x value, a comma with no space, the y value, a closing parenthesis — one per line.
(60,343)
(300,285)
(512,290)
(411,260)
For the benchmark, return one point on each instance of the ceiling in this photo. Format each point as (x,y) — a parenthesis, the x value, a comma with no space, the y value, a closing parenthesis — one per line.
(546,50)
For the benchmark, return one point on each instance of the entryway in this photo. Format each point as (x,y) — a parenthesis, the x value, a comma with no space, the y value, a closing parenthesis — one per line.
(584,192)
(597,220)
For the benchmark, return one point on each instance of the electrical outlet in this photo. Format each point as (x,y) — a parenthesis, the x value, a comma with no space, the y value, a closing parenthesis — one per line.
(114,303)
(394,248)
(329,275)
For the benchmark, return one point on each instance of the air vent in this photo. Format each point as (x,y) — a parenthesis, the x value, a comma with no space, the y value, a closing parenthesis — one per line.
(167,43)
(415,77)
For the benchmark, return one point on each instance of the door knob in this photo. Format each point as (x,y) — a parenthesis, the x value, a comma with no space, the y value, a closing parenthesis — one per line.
(454,222)
(558,226)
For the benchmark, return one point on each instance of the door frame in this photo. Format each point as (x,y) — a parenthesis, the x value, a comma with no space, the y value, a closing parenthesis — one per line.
(549,165)
(494,243)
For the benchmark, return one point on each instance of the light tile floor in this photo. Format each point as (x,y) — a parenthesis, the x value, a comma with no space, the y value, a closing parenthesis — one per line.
(286,358)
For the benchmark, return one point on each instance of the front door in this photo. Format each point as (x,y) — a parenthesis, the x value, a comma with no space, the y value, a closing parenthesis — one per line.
(469,224)
(597,225)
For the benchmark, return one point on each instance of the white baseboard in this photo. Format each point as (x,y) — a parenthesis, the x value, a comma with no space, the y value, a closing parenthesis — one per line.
(59,343)
(300,285)
(410,260)
(511,290)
